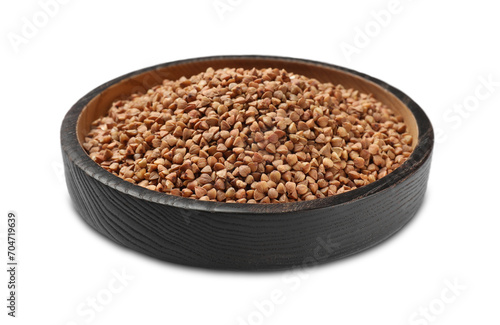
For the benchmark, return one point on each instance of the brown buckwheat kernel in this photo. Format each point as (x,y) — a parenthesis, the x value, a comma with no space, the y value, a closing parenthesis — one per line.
(249,136)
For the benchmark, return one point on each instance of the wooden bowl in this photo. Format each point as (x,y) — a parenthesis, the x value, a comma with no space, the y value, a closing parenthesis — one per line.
(237,235)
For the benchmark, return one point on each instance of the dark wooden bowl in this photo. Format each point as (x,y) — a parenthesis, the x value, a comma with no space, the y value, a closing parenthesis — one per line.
(237,235)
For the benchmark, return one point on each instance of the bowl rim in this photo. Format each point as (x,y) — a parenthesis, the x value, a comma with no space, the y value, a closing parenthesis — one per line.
(75,152)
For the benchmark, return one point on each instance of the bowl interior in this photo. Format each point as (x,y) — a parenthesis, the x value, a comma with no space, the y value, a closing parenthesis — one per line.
(99,105)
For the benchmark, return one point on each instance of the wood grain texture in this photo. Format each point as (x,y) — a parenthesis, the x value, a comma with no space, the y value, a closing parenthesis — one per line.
(243,236)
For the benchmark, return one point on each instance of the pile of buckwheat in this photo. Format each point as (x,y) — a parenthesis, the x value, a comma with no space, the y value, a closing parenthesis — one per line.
(249,136)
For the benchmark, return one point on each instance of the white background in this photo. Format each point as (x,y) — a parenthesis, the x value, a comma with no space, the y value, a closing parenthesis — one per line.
(439,52)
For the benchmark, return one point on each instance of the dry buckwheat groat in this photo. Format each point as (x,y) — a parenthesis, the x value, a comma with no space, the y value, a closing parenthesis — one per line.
(249,136)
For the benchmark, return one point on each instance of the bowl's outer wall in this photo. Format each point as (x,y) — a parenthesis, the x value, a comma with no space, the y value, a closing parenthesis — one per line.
(229,239)
(245,241)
